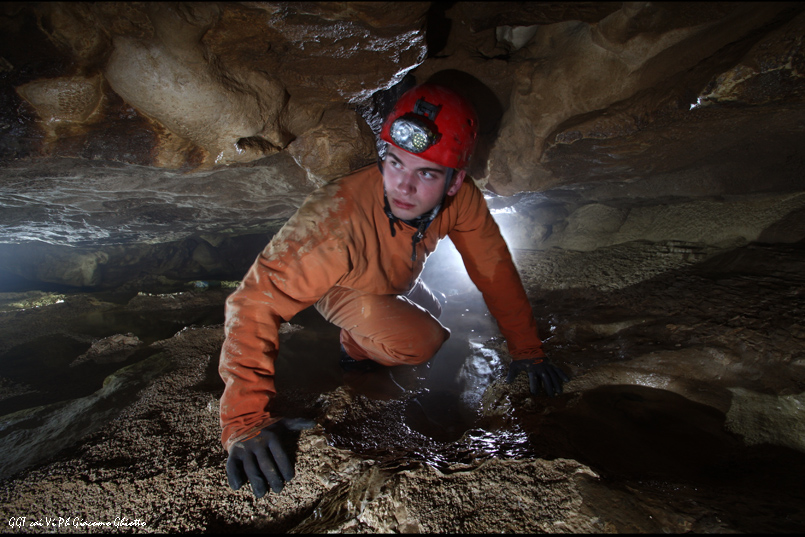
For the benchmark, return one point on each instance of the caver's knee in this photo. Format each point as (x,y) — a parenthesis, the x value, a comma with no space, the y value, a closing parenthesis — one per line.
(389,329)
(421,346)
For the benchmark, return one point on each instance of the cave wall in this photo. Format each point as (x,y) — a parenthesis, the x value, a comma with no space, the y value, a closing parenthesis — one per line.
(161,123)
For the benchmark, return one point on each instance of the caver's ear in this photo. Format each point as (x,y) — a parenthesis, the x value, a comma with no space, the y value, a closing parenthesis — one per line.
(458,180)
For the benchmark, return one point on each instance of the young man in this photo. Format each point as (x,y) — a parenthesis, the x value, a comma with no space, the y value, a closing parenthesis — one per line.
(356,249)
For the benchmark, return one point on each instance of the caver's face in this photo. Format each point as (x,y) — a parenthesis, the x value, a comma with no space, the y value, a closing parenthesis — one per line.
(414,186)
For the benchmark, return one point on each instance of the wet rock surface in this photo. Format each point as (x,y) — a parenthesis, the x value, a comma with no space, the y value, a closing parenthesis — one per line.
(665,426)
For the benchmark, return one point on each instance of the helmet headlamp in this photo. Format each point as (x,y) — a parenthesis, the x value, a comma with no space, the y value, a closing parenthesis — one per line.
(411,133)
(434,123)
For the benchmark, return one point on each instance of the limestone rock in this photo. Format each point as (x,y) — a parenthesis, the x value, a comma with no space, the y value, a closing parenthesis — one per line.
(572,72)
(63,99)
(763,418)
(115,348)
(210,84)
(40,432)
(342,142)
(168,78)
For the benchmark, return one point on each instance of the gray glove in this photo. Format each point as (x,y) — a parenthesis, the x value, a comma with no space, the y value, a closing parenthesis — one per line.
(539,370)
(262,460)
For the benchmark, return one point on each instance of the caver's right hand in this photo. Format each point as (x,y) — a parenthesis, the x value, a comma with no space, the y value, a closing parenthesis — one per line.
(262,460)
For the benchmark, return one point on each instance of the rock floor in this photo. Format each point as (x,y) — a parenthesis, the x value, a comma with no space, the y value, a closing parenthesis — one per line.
(684,413)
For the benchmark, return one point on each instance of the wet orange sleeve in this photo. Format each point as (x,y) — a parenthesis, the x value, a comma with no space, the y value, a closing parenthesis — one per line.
(298,266)
(489,264)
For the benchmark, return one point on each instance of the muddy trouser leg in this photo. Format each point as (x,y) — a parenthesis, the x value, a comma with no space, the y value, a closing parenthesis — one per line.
(389,329)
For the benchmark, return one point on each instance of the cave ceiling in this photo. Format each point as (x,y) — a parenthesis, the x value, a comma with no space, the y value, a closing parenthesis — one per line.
(148,121)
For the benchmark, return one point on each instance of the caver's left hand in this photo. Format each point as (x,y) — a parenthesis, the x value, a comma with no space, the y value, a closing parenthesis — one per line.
(540,371)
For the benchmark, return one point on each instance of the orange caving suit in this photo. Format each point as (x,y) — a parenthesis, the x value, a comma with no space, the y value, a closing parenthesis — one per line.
(338,253)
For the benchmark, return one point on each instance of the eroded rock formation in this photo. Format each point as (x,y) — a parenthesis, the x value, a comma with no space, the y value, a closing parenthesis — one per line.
(636,104)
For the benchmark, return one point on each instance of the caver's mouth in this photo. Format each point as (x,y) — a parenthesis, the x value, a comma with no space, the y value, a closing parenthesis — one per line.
(402,205)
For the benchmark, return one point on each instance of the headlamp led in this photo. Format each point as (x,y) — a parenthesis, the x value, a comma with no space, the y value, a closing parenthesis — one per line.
(412,134)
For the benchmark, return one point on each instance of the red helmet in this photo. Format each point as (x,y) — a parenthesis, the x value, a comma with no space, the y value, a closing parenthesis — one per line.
(434,123)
